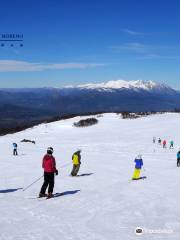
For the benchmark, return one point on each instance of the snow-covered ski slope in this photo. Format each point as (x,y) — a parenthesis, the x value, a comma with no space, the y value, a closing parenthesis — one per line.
(104,204)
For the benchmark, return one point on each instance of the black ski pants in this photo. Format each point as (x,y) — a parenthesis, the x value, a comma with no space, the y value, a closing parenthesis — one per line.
(15,152)
(178,162)
(48,182)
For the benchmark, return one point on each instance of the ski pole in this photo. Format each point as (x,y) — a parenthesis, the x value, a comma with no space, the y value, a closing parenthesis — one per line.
(41,177)
(32,183)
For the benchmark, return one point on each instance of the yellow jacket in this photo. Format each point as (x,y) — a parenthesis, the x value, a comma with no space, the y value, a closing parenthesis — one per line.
(75,159)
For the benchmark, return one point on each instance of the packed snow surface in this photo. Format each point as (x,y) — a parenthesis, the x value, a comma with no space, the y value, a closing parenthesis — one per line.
(104,203)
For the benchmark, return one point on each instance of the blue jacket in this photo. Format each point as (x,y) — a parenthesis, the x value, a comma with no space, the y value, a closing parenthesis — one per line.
(15,145)
(139,163)
(178,155)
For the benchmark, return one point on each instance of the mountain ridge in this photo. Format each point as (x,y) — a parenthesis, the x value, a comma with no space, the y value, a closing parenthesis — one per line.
(41,103)
(122,84)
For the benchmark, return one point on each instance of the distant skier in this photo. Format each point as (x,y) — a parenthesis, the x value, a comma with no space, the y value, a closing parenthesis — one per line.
(154,139)
(76,159)
(164,144)
(159,141)
(49,165)
(171,144)
(178,158)
(138,165)
(15,153)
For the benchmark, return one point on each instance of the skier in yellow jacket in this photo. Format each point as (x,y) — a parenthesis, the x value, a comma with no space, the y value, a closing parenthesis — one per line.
(76,159)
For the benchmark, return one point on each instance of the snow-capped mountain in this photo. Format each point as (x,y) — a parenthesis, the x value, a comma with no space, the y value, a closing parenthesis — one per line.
(136,85)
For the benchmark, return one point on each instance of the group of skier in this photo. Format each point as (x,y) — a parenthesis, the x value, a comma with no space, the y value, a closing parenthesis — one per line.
(164,142)
(139,162)
(50,170)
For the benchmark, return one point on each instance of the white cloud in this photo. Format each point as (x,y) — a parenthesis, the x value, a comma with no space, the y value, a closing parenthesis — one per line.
(23,66)
(152,51)
(132,47)
(135,33)
(131,32)
(163,57)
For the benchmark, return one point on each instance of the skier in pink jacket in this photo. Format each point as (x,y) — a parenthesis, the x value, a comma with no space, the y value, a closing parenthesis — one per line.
(49,165)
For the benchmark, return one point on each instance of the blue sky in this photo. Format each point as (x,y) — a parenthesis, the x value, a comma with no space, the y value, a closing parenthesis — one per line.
(76,41)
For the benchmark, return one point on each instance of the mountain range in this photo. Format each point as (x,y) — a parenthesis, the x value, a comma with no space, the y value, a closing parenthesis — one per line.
(22,106)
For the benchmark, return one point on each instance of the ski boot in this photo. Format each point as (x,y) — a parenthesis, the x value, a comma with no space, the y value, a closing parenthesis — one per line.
(42,195)
(50,195)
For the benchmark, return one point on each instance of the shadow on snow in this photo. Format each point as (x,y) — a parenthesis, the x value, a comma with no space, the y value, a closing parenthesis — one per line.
(10,190)
(66,193)
(84,174)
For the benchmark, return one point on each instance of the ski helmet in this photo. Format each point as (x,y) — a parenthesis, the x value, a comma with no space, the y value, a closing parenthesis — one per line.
(139,156)
(50,150)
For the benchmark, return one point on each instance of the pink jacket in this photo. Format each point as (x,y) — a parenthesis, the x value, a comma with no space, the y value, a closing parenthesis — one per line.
(49,163)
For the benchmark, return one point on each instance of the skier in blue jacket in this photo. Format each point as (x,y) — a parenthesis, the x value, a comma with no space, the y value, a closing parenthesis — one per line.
(171,144)
(139,163)
(178,158)
(15,153)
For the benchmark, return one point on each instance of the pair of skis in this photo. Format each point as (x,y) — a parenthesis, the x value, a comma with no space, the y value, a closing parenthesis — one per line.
(53,196)
(46,197)
(140,178)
